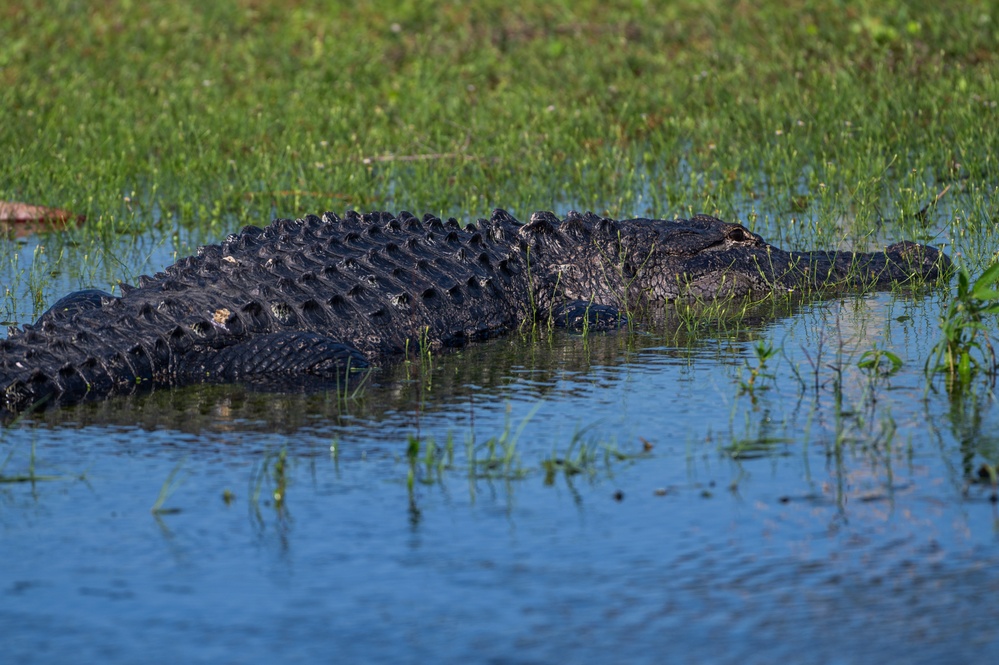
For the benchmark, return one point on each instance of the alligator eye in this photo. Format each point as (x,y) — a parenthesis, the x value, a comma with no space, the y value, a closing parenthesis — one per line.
(739,234)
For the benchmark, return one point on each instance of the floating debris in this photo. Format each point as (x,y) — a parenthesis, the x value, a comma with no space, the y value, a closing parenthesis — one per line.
(24,219)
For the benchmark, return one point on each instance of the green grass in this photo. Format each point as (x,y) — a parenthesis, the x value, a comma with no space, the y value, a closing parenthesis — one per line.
(11,475)
(965,346)
(217,114)
(498,460)
(270,476)
(172,483)
(29,475)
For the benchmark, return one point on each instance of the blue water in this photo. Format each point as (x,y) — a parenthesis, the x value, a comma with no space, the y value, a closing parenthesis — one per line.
(827,516)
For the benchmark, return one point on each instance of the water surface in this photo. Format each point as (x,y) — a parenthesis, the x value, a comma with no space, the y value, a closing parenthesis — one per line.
(825,516)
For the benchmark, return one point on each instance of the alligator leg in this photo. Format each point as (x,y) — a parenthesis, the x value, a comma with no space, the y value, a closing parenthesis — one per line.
(78,301)
(276,356)
(582,314)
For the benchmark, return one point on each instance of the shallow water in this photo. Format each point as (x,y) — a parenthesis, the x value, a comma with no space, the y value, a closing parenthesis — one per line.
(827,516)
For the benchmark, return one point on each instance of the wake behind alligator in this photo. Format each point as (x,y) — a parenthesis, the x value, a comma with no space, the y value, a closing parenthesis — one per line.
(320,296)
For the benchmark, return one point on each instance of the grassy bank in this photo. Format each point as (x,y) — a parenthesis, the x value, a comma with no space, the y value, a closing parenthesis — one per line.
(211,115)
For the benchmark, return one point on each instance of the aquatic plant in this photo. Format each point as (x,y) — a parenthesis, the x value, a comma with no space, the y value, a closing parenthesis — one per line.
(879,362)
(273,468)
(764,351)
(501,458)
(28,476)
(965,346)
(173,481)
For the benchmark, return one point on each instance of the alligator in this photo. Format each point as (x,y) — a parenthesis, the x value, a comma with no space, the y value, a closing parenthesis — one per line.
(323,296)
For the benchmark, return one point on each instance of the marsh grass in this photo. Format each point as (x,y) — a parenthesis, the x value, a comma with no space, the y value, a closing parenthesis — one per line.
(429,466)
(173,481)
(582,457)
(271,478)
(495,460)
(30,475)
(966,327)
(758,371)
(686,320)
(879,363)
(350,386)
(758,447)
(843,404)
(499,458)
(206,117)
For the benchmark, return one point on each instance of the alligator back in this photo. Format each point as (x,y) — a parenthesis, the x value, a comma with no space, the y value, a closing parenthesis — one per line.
(300,296)
(321,295)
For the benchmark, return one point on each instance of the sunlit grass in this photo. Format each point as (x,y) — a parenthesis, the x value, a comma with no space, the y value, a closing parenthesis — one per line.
(218,114)
(966,328)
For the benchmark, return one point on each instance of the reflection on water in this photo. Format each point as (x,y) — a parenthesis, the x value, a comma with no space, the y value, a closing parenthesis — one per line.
(619,497)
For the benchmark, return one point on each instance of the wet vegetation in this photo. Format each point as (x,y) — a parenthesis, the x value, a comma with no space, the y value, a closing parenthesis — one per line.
(966,327)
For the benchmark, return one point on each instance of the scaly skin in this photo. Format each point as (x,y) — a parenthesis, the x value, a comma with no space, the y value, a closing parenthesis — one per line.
(314,297)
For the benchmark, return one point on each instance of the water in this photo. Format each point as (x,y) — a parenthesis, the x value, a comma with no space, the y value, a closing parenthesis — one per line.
(826,516)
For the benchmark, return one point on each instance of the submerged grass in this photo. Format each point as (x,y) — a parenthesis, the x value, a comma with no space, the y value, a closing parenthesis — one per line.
(269,483)
(579,458)
(172,483)
(499,458)
(30,475)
